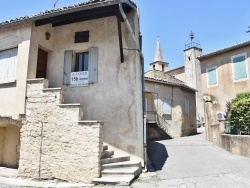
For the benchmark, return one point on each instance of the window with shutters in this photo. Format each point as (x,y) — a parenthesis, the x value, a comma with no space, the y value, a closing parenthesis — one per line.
(8,63)
(85,61)
(240,68)
(212,76)
(186,107)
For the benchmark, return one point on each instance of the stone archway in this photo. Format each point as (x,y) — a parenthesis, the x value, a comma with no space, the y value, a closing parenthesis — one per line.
(9,142)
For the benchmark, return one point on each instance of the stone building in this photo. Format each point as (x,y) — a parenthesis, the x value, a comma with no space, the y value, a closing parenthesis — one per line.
(68,87)
(170,103)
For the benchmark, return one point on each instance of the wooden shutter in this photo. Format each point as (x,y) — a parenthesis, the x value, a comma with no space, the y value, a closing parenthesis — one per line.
(239,67)
(212,79)
(8,63)
(68,58)
(93,65)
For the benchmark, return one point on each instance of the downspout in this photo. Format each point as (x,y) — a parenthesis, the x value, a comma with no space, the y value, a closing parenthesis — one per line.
(142,78)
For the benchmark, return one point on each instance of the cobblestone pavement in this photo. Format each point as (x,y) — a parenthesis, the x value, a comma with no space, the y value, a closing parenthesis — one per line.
(193,162)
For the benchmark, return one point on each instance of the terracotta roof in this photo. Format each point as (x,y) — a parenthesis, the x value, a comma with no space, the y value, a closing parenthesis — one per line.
(182,67)
(63,10)
(217,52)
(168,79)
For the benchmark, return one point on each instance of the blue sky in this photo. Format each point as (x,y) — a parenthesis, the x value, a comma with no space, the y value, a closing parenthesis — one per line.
(215,23)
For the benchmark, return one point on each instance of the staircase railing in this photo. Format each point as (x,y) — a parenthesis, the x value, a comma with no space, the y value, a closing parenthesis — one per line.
(162,123)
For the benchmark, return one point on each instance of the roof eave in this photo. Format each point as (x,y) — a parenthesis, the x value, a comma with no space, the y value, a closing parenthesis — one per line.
(67,10)
(221,51)
(168,83)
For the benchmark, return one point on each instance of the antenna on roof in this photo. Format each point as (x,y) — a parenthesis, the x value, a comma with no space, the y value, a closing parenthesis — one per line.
(55,3)
(248,30)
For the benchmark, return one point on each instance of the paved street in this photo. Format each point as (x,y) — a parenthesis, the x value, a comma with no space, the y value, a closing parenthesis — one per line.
(193,162)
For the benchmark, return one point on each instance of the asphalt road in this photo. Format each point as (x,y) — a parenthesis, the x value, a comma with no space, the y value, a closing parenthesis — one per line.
(193,162)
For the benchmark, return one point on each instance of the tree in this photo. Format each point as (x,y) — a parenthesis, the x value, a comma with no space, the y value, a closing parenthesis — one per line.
(239,115)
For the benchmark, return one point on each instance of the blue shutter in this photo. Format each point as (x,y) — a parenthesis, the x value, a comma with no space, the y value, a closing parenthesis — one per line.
(212,79)
(93,64)
(68,58)
(239,68)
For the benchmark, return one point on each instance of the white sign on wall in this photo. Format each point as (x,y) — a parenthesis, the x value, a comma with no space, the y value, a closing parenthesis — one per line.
(79,78)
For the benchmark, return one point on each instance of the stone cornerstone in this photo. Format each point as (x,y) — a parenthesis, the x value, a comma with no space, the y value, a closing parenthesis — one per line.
(55,143)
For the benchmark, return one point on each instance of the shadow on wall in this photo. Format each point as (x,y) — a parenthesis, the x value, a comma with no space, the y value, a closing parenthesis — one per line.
(157,156)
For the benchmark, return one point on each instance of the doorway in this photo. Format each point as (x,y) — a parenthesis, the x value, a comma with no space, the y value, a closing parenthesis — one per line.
(42,58)
(9,146)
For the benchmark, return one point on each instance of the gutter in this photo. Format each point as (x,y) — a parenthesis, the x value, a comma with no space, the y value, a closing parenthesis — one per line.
(142,76)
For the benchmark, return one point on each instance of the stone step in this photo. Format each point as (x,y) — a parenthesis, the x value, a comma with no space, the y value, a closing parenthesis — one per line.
(120,172)
(115,159)
(122,164)
(105,147)
(107,153)
(124,181)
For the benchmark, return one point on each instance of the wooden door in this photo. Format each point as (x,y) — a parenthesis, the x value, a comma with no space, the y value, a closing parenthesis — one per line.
(41,68)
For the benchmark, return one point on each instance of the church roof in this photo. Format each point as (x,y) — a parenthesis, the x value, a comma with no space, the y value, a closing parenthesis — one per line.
(158,53)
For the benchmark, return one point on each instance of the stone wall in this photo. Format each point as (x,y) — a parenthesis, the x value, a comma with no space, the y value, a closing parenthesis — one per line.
(55,143)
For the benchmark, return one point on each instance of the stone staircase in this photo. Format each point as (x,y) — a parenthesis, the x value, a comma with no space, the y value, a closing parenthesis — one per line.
(117,170)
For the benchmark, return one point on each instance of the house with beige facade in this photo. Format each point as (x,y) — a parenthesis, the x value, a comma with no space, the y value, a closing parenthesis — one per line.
(225,73)
(170,103)
(71,94)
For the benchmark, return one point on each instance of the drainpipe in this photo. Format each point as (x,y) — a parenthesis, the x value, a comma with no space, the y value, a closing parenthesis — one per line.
(142,78)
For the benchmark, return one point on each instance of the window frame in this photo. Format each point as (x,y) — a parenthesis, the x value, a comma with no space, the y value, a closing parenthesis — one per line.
(169,103)
(9,81)
(75,62)
(246,66)
(216,72)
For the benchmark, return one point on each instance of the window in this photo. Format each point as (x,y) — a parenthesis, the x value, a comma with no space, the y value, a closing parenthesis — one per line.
(8,61)
(82,61)
(186,107)
(166,107)
(86,61)
(162,68)
(212,76)
(239,67)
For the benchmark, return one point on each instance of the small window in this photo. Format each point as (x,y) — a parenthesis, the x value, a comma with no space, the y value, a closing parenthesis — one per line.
(153,67)
(82,61)
(166,107)
(82,36)
(186,107)
(162,67)
(239,67)
(212,79)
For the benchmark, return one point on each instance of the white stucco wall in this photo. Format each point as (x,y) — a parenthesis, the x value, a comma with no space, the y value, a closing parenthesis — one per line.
(13,95)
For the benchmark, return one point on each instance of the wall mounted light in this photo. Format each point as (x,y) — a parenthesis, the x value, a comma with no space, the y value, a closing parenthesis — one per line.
(47,35)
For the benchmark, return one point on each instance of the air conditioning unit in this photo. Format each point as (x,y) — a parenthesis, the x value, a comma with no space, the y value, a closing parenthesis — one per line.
(221,116)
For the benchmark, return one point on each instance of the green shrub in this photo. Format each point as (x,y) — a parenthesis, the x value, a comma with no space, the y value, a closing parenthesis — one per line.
(239,115)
